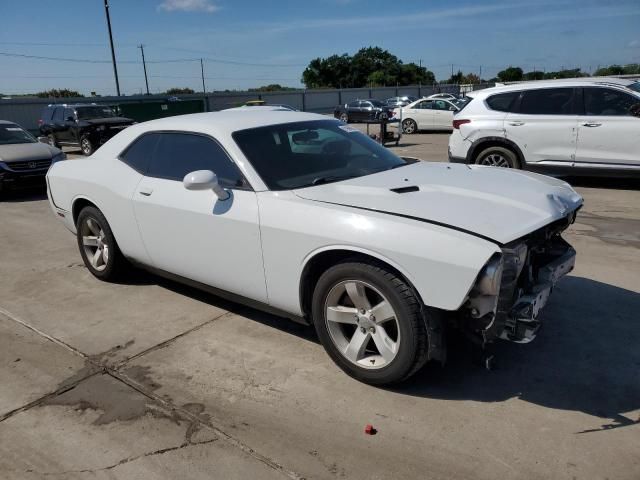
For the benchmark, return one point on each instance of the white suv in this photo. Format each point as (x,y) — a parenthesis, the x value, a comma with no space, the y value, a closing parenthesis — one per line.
(574,127)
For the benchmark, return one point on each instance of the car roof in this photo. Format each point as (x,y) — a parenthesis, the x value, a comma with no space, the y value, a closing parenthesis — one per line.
(7,122)
(228,121)
(572,82)
(75,105)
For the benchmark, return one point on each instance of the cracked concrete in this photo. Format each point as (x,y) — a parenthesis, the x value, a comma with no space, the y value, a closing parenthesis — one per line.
(150,379)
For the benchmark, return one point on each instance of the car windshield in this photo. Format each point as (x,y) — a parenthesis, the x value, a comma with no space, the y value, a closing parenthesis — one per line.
(302,154)
(86,113)
(635,86)
(11,134)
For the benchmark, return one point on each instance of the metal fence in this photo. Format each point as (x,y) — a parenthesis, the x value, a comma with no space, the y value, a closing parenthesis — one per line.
(26,110)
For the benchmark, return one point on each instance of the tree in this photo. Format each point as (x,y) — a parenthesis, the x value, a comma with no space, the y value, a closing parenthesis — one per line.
(511,74)
(368,66)
(179,91)
(59,93)
(534,75)
(273,87)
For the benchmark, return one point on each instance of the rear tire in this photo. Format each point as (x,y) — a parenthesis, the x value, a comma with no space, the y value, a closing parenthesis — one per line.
(498,157)
(52,140)
(86,145)
(344,117)
(379,351)
(98,246)
(409,126)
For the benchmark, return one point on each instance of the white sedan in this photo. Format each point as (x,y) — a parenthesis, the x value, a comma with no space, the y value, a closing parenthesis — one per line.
(307,217)
(427,114)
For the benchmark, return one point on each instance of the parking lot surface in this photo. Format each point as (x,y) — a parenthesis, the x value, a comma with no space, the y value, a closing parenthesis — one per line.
(151,379)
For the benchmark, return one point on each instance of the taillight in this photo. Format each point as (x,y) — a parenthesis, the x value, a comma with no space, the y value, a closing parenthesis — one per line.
(457,123)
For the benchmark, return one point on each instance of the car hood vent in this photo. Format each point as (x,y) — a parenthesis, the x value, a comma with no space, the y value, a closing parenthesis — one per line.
(412,188)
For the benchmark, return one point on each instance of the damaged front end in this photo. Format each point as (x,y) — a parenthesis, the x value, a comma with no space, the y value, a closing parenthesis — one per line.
(514,286)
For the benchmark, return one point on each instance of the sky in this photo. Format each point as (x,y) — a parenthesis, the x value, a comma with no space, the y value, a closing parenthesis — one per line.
(248,43)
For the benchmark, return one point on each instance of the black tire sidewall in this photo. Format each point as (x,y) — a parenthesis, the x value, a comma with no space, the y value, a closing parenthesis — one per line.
(88,139)
(405,359)
(113,263)
(509,154)
(344,117)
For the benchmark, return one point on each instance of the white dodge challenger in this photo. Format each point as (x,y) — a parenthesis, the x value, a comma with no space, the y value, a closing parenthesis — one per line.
(307,217)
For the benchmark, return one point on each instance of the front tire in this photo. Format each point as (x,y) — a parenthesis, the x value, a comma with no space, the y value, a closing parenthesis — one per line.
(370,323)
(498,157)
(87,145)
(98,247)
(409,126)
(344,117)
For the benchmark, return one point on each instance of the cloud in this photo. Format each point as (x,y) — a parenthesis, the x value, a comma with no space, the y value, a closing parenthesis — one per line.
(634,44)
(188,6)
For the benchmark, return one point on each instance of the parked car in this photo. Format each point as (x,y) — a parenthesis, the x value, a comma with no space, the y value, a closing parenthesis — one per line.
(81,125)
(363,111)
(23,160)
(445,96)
(434,114)
(396,102)
(569,128)
(309,218)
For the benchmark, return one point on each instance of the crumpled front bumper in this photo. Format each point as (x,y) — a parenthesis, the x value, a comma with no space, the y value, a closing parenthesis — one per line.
(522,324)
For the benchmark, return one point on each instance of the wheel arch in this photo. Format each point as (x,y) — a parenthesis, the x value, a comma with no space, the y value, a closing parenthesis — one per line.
(318,261)
(78,204)
(486,142)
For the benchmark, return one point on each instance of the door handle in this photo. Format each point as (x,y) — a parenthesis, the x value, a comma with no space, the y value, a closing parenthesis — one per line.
(516,123)
(589,124)
(146,191)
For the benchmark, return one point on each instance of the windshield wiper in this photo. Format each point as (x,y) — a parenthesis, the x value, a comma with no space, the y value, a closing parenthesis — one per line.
(330,178)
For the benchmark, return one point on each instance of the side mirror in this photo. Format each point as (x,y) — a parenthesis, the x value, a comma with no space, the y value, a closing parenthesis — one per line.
(71,119)
(204,180)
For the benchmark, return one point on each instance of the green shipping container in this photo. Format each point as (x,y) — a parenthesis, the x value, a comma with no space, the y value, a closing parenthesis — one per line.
(141,112)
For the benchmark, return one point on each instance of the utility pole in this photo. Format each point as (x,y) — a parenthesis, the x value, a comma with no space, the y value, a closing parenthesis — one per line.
(480,75)
(144,65)
(204,89)
(452,70)
(113,53)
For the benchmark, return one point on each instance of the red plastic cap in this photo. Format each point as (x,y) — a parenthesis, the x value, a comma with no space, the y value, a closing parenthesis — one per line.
(369,430)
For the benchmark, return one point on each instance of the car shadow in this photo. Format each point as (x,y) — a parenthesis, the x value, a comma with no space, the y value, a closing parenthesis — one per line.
(586,357)
(33,194)
(599,182)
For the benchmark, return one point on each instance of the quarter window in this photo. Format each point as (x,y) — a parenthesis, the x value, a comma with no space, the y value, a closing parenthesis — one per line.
(502,102)
(605,101)
(139,153)
(57,115)
(547,101)
(177,154)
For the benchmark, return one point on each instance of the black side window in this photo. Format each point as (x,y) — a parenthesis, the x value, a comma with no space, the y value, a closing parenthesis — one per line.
(57,114)
(47,114)
(68,113)
(139,153)
(353,105)
(547,101)
(180,153)
(605,101)
(502,102)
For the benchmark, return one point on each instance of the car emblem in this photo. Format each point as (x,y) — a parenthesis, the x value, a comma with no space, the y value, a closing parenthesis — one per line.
(32,164)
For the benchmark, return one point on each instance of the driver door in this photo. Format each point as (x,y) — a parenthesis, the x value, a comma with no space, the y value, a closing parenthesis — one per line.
(193,234)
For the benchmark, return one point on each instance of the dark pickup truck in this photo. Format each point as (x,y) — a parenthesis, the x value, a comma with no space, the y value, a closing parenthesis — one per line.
(81,125)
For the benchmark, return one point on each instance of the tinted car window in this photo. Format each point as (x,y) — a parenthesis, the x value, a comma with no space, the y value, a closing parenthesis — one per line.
(57,114)
(502,102)
(138,154)
(47,114)
(547,101)
(353,104)
(180,153)
(605,101)
(440,105)
(68,112)
(426,105)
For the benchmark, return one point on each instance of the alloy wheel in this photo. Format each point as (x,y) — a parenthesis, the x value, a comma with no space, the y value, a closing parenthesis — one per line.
(93,242)
(344,117)
(362,324)
(85,145)
(495,160)
(408,127)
